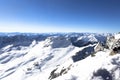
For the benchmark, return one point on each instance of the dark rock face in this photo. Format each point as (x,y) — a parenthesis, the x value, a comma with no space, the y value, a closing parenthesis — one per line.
(116,46)
(116,49)
(83,53)
(55,74)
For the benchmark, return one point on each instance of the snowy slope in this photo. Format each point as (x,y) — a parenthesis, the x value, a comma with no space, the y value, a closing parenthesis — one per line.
(58,57)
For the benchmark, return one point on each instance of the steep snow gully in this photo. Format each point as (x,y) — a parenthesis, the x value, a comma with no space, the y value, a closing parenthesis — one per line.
(68,56)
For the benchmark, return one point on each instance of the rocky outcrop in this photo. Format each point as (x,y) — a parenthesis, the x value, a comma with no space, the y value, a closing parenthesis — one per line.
(55,73)
(98,47)
(113,43)
(83,53)
(116,46)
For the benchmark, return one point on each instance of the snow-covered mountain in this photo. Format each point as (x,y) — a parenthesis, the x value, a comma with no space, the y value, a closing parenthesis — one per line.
(67,56)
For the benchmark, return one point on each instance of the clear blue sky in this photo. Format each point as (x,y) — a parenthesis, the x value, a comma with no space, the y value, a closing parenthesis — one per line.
(60,16)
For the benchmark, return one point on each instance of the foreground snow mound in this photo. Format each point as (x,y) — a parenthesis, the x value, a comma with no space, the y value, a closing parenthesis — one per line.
(59,57)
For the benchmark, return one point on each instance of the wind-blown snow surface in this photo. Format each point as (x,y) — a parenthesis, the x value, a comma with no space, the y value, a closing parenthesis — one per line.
(46,57)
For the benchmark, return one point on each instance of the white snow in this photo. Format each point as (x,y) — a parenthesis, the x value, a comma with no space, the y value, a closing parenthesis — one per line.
(117,36)
(22,64)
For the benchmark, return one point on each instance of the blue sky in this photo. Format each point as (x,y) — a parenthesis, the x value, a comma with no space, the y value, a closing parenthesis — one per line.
(40,16)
